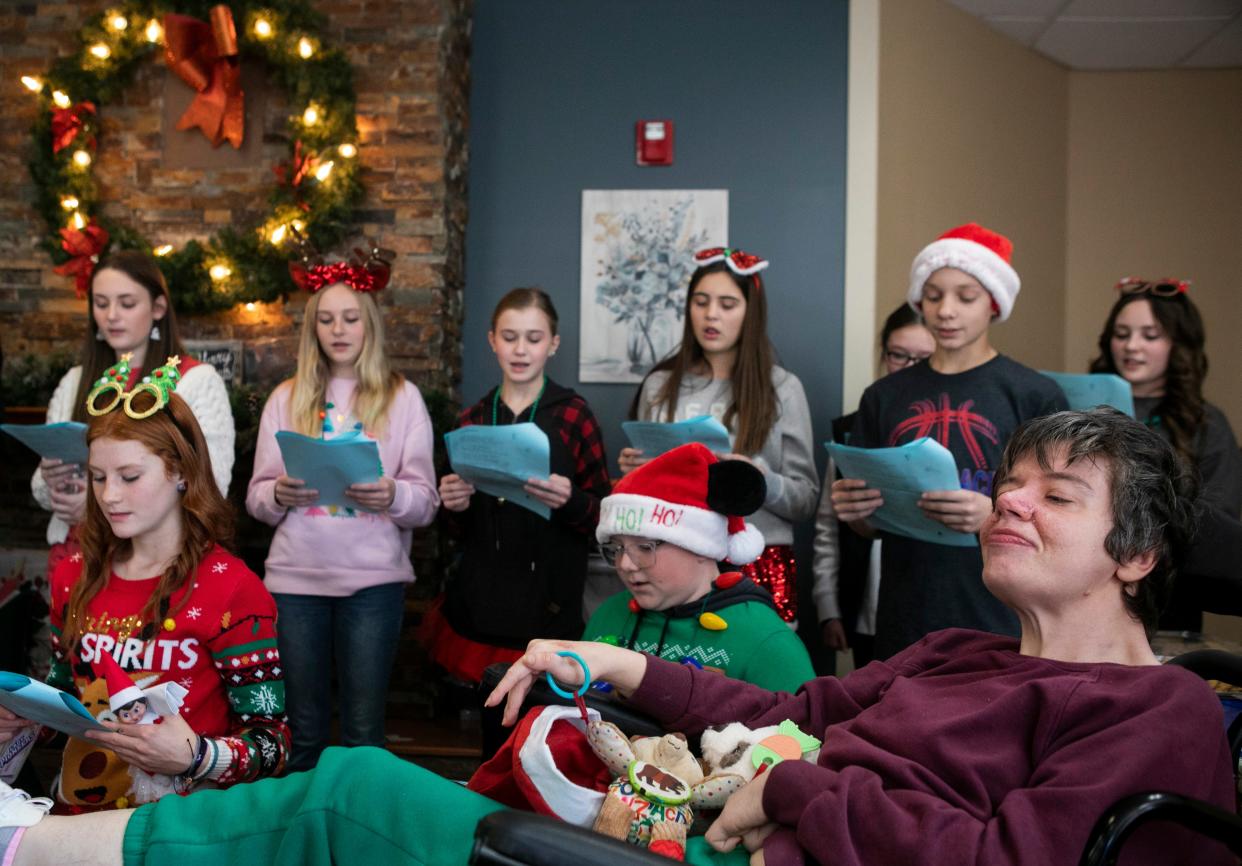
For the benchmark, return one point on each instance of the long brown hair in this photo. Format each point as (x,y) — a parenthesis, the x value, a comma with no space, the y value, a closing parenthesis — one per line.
(174,436)
(754,406)
(1181,409)
(97,355)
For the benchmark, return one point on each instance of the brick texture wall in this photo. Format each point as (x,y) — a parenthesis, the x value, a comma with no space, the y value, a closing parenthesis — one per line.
(411,69)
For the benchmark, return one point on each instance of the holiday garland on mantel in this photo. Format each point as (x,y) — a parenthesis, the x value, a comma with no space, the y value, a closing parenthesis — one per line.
(316,190)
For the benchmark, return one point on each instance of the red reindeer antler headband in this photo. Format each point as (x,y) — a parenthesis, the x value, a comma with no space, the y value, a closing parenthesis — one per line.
(363,272)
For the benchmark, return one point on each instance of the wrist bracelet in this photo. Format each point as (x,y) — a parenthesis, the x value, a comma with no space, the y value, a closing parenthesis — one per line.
(199,753)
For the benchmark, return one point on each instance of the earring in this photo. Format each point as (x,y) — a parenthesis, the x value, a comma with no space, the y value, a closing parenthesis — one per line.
(99,336)
(155,330)
(181,487)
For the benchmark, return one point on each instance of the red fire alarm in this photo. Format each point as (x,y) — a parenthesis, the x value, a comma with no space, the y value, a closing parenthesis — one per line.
(653,142)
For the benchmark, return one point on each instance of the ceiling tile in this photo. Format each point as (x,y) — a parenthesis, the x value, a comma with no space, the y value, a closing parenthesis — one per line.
(1222,50)
(1124,44)
(1010,8)
(1023,30)
(1129,9)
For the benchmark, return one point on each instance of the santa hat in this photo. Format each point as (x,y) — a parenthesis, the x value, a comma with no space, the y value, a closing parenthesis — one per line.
(547,766)
(689,498)
(122,689)
(980,252)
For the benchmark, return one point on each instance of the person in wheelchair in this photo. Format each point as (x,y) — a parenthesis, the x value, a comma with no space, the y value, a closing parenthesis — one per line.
(966,747)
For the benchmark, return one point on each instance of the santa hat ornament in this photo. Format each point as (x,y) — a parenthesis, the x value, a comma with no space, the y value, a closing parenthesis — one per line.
(980,252)
(690,498)
(122,690)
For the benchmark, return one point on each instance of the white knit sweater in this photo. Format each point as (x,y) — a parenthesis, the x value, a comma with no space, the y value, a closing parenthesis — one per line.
(201,388)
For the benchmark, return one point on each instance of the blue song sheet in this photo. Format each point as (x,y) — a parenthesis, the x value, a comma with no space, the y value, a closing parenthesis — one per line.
(330,465)
(64,441)
(498,460)
(654,438)
(1088,390)
(46,705)
(901,474)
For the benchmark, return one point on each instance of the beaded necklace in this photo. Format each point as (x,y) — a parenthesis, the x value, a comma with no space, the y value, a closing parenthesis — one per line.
(534,407)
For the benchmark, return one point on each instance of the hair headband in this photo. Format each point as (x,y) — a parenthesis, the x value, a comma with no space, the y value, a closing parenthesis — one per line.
(363,272)
(741,263)
(159,384)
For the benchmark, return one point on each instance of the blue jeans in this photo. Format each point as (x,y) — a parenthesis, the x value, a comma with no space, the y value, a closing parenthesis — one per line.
(360,632)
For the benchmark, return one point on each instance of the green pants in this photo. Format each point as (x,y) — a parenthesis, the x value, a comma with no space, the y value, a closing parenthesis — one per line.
(359,805)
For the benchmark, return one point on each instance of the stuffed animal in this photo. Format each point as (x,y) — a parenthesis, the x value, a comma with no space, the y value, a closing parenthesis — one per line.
(658,784)
(739,750)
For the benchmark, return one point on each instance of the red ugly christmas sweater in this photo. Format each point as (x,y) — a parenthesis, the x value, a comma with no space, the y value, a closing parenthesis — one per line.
(220,646)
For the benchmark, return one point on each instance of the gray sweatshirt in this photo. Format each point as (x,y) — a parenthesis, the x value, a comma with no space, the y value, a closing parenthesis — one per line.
(786,457)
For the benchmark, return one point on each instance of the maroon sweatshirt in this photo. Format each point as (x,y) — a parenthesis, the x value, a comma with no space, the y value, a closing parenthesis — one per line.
(959,750)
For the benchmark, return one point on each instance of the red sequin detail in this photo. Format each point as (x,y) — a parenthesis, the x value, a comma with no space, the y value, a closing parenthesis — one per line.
(634,606)
(777,572)
(728,579)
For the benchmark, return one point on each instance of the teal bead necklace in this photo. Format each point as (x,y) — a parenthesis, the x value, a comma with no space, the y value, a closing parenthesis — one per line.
(534,407)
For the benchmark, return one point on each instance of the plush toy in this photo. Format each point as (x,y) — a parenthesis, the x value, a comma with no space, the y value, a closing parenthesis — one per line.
(739,750)
(658,784)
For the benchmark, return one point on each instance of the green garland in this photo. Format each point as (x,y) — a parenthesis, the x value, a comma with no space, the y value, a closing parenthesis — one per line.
(257,265)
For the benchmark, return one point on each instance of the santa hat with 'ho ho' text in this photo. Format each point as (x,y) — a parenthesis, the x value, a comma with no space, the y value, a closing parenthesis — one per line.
(980,252)
(690,498)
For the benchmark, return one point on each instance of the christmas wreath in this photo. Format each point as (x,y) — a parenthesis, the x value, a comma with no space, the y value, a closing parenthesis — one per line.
(316,189)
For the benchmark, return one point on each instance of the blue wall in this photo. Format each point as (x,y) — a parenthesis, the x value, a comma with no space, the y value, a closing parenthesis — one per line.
(757,94)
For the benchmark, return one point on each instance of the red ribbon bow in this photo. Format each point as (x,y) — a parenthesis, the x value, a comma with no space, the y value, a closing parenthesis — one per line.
(204,56)
(741,263)
(67,123)
(293,172)
(84,247)
(369,277)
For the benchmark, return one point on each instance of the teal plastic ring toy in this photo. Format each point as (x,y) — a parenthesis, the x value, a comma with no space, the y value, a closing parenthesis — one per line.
(586,677)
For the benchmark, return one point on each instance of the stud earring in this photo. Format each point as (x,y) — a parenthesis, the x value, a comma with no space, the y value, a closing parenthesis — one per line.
(99,336)
(155,331)
(181,487)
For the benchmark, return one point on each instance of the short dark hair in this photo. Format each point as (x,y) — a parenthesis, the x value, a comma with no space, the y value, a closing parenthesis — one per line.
(1153,491)
(902,317)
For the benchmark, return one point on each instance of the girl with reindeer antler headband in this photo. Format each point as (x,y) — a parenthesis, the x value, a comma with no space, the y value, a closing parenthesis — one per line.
(339,573)
(724,367)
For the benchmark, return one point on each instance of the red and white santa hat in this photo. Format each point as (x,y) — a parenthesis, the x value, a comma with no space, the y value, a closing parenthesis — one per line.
(690,498)
(547,766)
(122,689)
(980,252)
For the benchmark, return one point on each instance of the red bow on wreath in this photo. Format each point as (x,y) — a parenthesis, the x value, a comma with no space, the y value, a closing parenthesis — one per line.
(204,56)
(84,247)
(293,172)
(742,264)
(67,123)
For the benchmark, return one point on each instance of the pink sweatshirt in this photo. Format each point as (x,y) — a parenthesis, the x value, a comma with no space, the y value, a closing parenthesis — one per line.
(331,551)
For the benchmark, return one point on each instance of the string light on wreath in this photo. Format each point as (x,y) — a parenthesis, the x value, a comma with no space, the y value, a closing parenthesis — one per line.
(317,186)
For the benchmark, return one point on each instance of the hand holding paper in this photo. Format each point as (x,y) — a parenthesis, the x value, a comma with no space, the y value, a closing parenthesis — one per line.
(653,438)
(902,476)
(328,466)
(502,461)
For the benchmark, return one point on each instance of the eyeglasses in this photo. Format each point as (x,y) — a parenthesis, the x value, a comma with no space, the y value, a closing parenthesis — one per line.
(642,553)
(903,359)
(1165,288)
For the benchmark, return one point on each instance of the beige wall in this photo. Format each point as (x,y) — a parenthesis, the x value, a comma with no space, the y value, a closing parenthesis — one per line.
(1155,189)
(972,127)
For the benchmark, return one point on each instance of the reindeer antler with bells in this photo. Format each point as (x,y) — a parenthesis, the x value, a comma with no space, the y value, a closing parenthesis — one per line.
(159,385)
(366,271)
